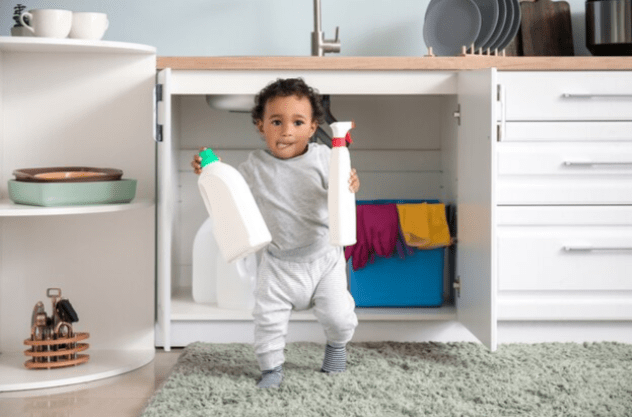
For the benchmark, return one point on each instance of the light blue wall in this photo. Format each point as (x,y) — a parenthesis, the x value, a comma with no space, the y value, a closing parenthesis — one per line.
(264,27)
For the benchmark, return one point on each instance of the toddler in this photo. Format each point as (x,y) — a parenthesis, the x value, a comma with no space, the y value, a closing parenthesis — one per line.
(299,269)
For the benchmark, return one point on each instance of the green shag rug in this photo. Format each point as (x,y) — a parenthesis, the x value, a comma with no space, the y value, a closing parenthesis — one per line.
(385,379)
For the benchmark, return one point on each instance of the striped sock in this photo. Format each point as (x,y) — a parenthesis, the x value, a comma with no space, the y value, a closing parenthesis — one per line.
(271,378)
(335,359)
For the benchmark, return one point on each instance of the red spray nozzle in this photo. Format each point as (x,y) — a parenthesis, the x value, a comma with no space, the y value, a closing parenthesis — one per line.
(341,134)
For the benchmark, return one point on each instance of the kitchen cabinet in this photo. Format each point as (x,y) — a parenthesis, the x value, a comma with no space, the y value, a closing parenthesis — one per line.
(399,152)
(564,196)
(532,151)
(78,103)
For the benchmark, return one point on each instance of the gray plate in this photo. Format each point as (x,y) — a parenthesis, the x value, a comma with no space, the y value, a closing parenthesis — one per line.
(451,24)
(489,18)
(500,24)
(430,6)
(502,32)
(511,32)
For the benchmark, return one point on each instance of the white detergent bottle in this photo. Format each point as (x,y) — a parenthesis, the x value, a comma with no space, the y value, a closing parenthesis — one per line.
(204,275)
(238,225)
(340,199)
(236,283)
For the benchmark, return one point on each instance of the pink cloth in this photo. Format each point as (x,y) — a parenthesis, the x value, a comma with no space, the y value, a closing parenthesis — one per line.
(377,233)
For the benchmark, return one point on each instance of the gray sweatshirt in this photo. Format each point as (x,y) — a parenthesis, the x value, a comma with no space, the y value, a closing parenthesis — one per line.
(292,197)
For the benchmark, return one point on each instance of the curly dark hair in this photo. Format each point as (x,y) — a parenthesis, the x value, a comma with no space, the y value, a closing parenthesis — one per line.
(285,88)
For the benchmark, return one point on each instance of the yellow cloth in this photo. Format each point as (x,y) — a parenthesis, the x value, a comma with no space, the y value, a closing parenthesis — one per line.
(424,225)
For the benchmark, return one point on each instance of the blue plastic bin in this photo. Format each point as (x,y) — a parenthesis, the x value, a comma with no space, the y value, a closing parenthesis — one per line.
(415,281)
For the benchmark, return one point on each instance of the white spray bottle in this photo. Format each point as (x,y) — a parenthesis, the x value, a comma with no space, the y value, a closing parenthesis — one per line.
(341,200)
(238,225)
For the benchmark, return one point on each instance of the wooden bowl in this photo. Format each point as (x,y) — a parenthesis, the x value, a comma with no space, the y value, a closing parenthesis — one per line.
(67,174)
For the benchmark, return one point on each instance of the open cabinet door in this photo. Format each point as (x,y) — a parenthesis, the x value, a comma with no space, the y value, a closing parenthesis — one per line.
(166,180)
(476,176)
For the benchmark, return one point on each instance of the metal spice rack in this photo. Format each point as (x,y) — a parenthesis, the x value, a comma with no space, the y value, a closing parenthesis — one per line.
(53,342)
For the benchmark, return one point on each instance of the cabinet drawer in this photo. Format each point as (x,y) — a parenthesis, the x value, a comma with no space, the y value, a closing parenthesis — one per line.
(561,248)
(564,173)
(601,131)
(566,95)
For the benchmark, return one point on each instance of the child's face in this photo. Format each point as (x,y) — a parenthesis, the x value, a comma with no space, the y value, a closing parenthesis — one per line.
(287,126)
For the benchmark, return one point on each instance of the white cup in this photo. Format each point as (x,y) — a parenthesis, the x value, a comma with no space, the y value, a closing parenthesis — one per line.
(49,23)
(88,25)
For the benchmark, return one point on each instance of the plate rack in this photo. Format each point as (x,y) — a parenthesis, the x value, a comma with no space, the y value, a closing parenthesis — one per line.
(465,49)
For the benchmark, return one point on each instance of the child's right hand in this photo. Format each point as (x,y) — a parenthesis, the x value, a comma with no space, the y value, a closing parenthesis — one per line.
(196,162)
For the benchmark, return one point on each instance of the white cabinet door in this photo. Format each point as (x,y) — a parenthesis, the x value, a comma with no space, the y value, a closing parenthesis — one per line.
(167,192)
(476,264)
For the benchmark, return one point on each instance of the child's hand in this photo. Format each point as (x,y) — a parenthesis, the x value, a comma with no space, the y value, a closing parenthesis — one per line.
(354,181)
(196,162)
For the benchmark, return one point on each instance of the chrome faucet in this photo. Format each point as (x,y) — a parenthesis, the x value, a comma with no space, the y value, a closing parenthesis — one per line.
(320,45)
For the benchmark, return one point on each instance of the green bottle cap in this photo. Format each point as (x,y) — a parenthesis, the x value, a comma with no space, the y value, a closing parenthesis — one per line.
(208,156)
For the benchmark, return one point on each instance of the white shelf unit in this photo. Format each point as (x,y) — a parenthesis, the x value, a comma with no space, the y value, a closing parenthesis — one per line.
(78,103)
(10,209)
(405,147)
(73,46)
(102,364)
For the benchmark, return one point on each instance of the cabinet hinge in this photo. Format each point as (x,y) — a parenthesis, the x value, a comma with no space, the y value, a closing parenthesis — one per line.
(457,114)
(500,111)
(457,285)
(157,124)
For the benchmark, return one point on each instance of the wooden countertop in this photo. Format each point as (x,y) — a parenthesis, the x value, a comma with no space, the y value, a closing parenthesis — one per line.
(396,63)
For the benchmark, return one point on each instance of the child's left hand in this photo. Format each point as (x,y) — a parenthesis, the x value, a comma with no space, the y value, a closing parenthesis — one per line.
(354,181)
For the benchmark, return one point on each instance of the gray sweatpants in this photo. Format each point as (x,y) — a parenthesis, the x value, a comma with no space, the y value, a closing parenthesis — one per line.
(283,286)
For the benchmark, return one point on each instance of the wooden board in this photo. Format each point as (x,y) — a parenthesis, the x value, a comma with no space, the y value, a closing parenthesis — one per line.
(545,28)
(515,46)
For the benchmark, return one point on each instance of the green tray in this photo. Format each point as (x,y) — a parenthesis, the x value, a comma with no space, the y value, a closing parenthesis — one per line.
(72,193)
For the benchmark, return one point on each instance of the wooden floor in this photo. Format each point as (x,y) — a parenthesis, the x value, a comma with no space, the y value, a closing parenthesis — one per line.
(121,396)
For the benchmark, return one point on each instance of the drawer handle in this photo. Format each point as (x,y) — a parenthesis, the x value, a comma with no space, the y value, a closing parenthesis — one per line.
(595,249)
(595,96)
(594,164)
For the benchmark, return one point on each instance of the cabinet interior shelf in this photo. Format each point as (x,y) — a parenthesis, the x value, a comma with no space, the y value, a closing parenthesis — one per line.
(49,45)
(10,209)
(183,308)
